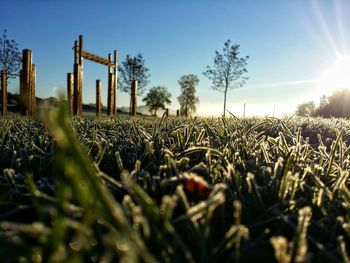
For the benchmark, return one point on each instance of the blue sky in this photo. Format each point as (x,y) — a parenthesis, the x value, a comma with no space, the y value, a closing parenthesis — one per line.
(290,44)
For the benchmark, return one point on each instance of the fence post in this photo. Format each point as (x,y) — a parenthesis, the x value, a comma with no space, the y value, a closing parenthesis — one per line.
(3,92)
(111,87)
(115,72)
(77,90)
(70,92)
(26,83)
(78,77)
(244,110)
(134,85)
(98,97)
(32,90)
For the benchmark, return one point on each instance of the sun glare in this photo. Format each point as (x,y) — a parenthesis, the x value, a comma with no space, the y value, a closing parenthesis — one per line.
(336,77)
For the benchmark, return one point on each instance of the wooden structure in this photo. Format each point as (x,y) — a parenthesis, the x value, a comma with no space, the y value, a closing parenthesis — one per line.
(133,110)
(98,97)
(76,96)
(3,93)
(27,84)
(27,79)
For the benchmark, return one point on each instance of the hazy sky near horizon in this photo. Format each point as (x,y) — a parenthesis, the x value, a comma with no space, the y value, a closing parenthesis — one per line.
(290,44)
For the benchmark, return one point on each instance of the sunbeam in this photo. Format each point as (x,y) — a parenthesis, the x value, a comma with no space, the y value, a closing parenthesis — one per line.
(325,28)
(284,83)
(338,17)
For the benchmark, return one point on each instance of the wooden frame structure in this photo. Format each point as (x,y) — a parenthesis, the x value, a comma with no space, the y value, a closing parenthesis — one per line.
(27,79)
(75,80)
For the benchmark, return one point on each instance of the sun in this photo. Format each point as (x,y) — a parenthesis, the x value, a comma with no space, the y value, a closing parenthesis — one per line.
(336,77)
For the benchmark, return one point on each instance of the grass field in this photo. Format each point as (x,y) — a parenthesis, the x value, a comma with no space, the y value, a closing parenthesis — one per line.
(174,190)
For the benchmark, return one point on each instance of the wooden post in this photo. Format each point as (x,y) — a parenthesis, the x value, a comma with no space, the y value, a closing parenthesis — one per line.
(78,77)
(25,82)
(70,92)
(81,48)
(115,71)
(166,112)
(3,93)
(110,92)
(33,89)
(98,97)
(134,98)
(177,113)
(76,52)
(77,89)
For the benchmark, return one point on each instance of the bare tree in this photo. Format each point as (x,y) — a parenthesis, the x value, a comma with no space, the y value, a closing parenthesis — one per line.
(10,56)
(229,71)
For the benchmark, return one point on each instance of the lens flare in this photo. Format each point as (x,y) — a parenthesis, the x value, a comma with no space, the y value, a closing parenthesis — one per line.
(336,77)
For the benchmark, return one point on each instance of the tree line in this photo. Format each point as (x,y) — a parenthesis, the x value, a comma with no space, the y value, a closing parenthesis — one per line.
(227,72)
(335,105)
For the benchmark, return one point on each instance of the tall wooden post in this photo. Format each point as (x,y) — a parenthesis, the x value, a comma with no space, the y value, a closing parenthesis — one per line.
(98,97)
(134,85)
(25,82)
(77,89)
(3,93)
(81,48)
(115,71)
(75,78)
(111,89)
(70,92)
(33,89)
(78,77)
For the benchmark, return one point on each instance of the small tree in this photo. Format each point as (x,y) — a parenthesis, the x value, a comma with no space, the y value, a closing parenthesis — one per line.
(306,109)
(229,71)
(133,68)
(188,98)
(156,98)
(10,56)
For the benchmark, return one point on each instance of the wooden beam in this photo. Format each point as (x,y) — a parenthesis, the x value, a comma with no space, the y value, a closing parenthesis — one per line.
(97,59)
